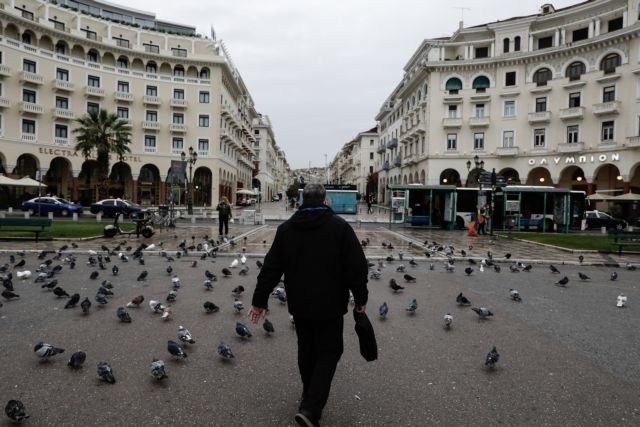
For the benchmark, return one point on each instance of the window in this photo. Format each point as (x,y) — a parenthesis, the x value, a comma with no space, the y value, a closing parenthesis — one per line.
(505,45)
(580,34)
(178,118)
(574,100)
(609,94)
(542,76)
(508,139)
(62,74)
(482,52)
(204,97)
(28,96)
(572,134)
(29,66)
(152,68)
(510,78)
(610,63)
(370,169)
(178,71)
(509,108)
(26,38)
(151,116)
(178,93)
(28,126)
(481,84)
(541,104)
(545,42)
(204,73)
(152,90)
(575,70)
(370,156)
(203,146)
(614,24)
(152,48)
(516,44)
(91,35)
(177,145)
(61,131)
(123,113)
(453,85)
(608,131)
(453,111)
(179,52)
(60,49)
(452,142)
(478,141)
(120,42)
(92,56)
(149,143)
(62,102)
(93,81)
(203,121)
(92,107)
(123,87)
(539,138)
(480,110)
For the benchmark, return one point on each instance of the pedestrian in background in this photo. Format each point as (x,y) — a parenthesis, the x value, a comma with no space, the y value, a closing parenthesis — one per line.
(321,260)
(482,219)
(369,204)
(224,214)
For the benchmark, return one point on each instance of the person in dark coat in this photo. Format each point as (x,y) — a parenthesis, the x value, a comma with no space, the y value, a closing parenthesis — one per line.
(224,213)
(321,260)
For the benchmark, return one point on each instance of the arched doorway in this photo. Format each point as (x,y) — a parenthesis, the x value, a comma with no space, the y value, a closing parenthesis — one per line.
(202,184)
(59,178)
(572,177)
(450,177)
(120,180)
(511,176)
(149,185)
(539,176)
(634,179)
(607,179)
(88,183)
(26,165)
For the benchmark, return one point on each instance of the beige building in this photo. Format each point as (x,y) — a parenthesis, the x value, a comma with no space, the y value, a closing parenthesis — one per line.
(545,99)
(178,89)
(355,163)
(271,164)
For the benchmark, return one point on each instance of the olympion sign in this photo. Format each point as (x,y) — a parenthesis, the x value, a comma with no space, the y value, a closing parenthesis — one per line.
(572,160)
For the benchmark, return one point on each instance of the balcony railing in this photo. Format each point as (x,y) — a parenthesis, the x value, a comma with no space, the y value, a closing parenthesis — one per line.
(572,113)
(28,137)
(397,161)
(62,113)
(179,103)
(123,96)
(381,148)
(94,91)
(386,166)
(177,127)
(507,151)
(479,121)
(603,108)
(30,107)
(5,70)
(151,100)
(393,143)
(540,117)
(63,85)
(452,122)
(63,142)
(149,149)
(147,124)
(633,141)
(29,77)
(571,147)
(5,102)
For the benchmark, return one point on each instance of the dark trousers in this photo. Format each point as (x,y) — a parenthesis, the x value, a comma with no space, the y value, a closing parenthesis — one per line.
(223,221)
(319,350)
(481,229)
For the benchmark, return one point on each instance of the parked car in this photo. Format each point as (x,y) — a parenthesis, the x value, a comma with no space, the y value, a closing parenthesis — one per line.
(112,207)
(597,219)
(57,205)
(275,199)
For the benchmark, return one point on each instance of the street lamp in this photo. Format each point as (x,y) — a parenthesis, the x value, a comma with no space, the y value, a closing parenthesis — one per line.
(191,158)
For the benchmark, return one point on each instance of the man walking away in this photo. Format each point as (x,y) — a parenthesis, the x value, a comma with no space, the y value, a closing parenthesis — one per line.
(321,259)
(224,213)
(369,204)
(481,223)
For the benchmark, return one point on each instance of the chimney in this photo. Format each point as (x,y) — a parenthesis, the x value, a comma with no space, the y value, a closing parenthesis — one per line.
(460,25)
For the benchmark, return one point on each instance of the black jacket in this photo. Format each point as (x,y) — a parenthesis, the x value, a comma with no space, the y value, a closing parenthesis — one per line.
(321,259)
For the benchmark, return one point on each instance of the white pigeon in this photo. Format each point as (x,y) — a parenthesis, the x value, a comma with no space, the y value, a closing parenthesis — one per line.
(92,252)
(482,268)
(237,304)
(23,274)
(166,313)
(175,282)
(448,320)
(150,247)
(185,335)
(234,263)
(243,259)
(622,300)
(156,306)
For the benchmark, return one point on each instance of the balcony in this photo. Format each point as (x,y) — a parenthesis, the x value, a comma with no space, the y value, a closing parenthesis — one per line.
(28,137)
(506,151)
(30,108)
(575,113)
(149,125)
(5,70)
(123,96)
(393,143)
(28,77)
(94,91)
(479,121)
(178,128)
(452,122)
(151,100)
(61,142)
(452,99)
(397,162)
(61,113)
(540,117)
(178,103)
(386,166)
(381,149)
(63,86)
(633,141)
(150,149)
(573,147)
(605,108)
(5,102)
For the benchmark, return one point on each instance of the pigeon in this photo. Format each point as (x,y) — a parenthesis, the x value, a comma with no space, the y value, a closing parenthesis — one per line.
(210,307)
(390,258)
(101,299)
(622,300)
(515,295)
(492,358)
(94,275)
(115,270)
(237,305)
(563,282)
(142,276)
(105,372)
(514,268)
(431,266)
(85,305)
(175,282)
(400,268)
(413,263)
(175,349)
(156,306)
(496,268)
(234,263)
(394,285)
(194,264)
(259,264)
(169,270)
(15,410)
(580,259)
(73,301)
(244,270)
(208,284)
(77,359)
(507,255)
(409,278)
(462,300)
(157,370)
(135,303)
(104,291)
(166,313)
(171,297)
(45,351)
(383,310)
(614,276)
(243,259)
(225,351)
(449,267)
(468,271)
(527,268)
(554,269)
(268,326)
(631,267)
(583,276)
(21,263)
(412,307)
(7,294)
(376,274)
(237,291)
(482,312)
(209,275)
(242,330)
(448,320)
(226,272)
(106,284)
(123,315)
(400,255)
(185,335)
(23,275)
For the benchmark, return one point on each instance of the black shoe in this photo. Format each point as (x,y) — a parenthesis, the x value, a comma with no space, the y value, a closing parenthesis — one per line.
(305,419)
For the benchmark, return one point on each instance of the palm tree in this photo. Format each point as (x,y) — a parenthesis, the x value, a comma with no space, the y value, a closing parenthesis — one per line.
(102,133)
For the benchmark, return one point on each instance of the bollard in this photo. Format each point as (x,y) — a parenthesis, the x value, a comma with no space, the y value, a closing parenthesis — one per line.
(99,217)
(359,223)
(50,215)
(26,215)
(193,219)
(75,216)
(2,215)
(10,210)
(120,218)
(603,230)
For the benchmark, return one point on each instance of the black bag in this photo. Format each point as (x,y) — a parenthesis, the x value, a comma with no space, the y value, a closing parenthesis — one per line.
(366,336)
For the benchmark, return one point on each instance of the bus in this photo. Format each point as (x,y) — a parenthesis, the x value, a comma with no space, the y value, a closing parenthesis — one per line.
(343,198)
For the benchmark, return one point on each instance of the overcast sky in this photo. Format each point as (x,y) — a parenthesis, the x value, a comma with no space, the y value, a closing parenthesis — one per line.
(320,69)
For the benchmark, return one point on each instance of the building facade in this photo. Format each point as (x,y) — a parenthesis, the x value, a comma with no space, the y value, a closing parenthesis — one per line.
(271,168)
(178,90)
(545,99)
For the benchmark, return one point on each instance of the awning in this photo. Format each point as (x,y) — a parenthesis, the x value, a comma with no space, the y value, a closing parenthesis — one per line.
(599,197)
(627,197)
(246,192)
(481,82)
(454,83)
(22,182)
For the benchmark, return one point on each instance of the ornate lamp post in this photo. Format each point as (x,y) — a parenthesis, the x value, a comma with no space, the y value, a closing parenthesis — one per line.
(191,159)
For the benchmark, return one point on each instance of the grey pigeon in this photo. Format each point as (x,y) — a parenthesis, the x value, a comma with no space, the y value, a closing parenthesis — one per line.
(208,285)
(175,349)
(142,276)
(15,410)
(515,295)
(409,278)
(225,351)
(242,330)
(614,276)
(468,271)
(237,291)
(101,299)
(583,276)
(185,335)
(383,310)
(562,282)
(448,320)
(238,306)
(412,307)
(268,326)
(73,301)
(77,359)
(244,270)
(462,300)
(45,351)
(158,371)
(9,295)
(394,285)
(123,315)
(210,307)
(492,358)
(85,305)
(483,313)
(115,270)
(105,372)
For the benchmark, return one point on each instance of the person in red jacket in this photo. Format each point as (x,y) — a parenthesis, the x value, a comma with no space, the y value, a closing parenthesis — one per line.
(321,260)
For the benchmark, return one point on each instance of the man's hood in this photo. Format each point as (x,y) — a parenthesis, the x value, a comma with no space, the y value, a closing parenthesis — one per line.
(311,216)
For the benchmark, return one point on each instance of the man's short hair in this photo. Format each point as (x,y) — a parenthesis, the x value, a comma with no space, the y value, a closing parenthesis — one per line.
(313,194)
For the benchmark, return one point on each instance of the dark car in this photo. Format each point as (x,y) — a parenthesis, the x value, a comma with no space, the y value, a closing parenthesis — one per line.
(57,205)
(112,207)
(596,219)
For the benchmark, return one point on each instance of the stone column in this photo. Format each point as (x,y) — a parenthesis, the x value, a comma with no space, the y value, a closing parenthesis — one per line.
(589,189)
(627,187)
(134,188)
(74,189)
(163,190)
